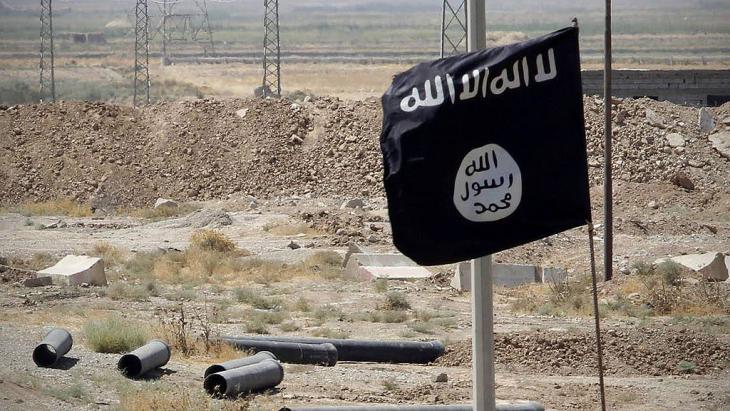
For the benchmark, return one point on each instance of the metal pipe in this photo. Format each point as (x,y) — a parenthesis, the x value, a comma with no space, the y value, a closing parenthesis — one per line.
(240,362)
(241,380)
(291,352)
(507,406)
(54,346)
(411,352)
(155,353)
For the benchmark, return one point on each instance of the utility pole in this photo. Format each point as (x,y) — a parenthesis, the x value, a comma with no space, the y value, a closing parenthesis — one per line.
(47,75)
(141,54)
(272,51)
(482,309)
(454,22)
(607,152)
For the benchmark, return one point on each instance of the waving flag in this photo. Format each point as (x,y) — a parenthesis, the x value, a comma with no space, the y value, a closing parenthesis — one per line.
(486,151)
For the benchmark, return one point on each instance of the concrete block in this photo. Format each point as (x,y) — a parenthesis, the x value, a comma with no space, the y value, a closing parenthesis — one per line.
(165,202)
(37,282)
(462,276)
(551,275)
(705,120)
(75,270)
(710,265)
(390,266)
(503,275)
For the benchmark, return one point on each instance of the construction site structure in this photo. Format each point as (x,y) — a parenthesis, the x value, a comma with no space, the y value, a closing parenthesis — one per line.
(47,75)
(272,52)
(453,28)
(141,53)
(175,26)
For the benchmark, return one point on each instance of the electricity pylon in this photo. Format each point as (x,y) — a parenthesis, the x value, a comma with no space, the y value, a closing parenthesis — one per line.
(47,76)
(453,28)
(141,53)
(272,51)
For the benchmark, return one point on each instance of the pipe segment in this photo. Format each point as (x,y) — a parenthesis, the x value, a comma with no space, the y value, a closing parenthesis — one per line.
(249,378)
(155,353)
(410,352)
(291,352)
(54,346)
(517,406)
(240,362)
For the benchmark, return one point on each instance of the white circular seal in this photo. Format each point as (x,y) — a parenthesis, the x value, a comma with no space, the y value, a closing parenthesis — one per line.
(488,185)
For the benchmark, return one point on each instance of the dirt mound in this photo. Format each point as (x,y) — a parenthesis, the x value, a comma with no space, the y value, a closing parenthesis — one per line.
(626,352)
(205,149)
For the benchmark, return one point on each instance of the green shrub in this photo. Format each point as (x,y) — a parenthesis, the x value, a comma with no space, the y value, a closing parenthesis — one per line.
(114,335)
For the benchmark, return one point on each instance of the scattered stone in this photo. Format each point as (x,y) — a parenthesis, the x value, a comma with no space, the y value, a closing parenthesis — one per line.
(292,245)
(57,224)
(296,140)
(353,203)
(654,119)
(705,120)
(682,180)
(164,202)
(442,377)
(710,265)
(38,281)
(653,205)
(721,143)
(75,270)
(242,112)
(675,140)
(206,218)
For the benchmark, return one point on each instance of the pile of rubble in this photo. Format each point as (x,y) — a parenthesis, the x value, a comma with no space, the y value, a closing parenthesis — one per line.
(644,351)
(205,149)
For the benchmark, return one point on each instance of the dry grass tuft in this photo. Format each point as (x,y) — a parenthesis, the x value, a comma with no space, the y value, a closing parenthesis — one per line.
(288,229)
(111,254)
(66,207)
(663,289)
(159,213)
(123,291)
(212,240)
(160,396)
(395,301)
(114,335)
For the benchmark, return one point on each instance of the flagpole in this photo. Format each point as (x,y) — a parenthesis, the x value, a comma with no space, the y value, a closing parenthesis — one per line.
(607,148)
(483,386)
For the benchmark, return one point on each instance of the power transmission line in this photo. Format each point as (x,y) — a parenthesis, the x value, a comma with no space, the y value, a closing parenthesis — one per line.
(181,26)
(272,51)
(141,53)
(47,76)
(453,28)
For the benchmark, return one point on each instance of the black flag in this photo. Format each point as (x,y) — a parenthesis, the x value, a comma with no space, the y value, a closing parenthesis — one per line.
(486,151)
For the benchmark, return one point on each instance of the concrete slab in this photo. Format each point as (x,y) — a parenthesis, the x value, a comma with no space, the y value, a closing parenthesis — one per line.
(391,266)
(76,270)
(504,275)
(37,282)
(710,265)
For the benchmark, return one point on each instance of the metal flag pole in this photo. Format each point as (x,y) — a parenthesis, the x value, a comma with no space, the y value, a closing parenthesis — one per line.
(483,396)
(608,136)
